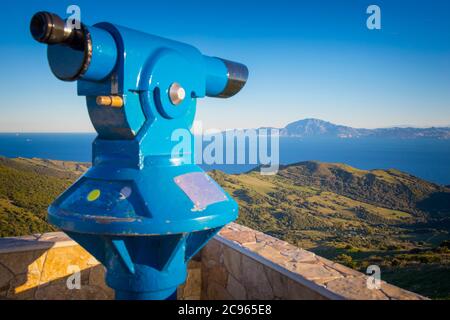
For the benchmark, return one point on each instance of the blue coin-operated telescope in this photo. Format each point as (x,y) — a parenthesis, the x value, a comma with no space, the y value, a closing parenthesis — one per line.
(141,210)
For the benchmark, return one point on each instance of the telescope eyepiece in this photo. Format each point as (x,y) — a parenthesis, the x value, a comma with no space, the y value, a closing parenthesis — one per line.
(39,27)
(49,28)
(72,46)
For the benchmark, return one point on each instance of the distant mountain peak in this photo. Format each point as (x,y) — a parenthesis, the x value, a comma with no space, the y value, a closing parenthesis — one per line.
(317,128)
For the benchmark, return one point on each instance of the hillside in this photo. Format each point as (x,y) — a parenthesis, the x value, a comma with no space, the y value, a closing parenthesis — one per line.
(316,128)
(356,217)
(343,204)
(27,187)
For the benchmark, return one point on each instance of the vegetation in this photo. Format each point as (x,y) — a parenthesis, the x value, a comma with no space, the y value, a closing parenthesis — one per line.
(27,187)
(355,217)
(352,216)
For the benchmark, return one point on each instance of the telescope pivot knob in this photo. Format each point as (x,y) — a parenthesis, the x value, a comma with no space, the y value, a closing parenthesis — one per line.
(176,93)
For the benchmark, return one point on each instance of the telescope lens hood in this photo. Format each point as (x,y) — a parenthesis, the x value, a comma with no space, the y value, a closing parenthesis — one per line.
(237,77)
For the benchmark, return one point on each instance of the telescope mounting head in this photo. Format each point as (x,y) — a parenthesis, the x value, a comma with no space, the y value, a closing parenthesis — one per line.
(140,210)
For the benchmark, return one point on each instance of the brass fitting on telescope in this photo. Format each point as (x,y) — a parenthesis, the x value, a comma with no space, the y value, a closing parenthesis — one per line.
(110,101)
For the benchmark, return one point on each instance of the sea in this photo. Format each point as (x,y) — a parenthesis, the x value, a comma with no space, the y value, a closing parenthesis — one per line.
(428,159)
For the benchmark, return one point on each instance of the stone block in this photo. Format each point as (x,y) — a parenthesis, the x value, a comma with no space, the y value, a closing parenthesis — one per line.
(22,262)
(232,261)
(300,255)
(396,293)
(355,288)
(297,291)
(97,275)
(315,272)
(255,280)
(277,281)
(212,251)
(23,286)
(217,292)
(5,277)
(268,252)
(241,237)
(236,289)
(345,271)
(59,291)
(192,287)
(59,260)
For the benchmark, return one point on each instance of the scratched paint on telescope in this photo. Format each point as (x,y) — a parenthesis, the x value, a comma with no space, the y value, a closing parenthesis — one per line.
(95,197)
(200,189)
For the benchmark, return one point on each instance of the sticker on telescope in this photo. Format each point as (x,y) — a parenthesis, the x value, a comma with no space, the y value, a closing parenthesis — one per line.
(200,189)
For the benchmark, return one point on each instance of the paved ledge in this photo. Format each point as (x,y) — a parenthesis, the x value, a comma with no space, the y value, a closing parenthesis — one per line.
(35,242)
(239,263)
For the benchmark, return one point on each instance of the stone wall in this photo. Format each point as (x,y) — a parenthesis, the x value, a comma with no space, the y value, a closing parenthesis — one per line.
(44,267)
(239,263)
(39,267)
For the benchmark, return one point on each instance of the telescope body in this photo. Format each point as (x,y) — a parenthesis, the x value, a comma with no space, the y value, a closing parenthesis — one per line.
(141,210)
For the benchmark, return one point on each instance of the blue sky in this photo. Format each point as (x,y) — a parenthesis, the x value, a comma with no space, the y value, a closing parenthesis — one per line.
(306,59)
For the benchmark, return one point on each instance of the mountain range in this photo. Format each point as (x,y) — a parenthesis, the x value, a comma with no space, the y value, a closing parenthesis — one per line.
(316,128)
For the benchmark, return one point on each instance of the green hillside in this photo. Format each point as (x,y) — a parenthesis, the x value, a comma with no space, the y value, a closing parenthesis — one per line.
(356,217)
(27,187)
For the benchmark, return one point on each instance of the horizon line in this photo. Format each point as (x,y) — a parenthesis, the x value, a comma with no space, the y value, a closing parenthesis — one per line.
(257,128)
